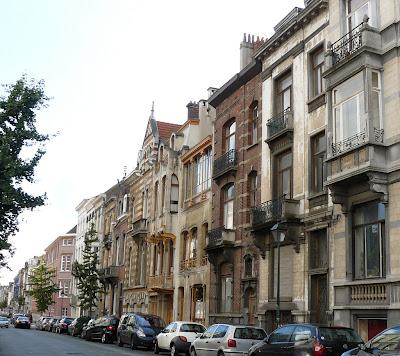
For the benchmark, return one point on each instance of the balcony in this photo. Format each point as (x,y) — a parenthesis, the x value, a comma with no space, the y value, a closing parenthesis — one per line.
(112,273)
(161,283)
(345,46)
(139,227)
(268,213)
(220,237)
(193,263)
(225,163)
(279,125)
(368,294)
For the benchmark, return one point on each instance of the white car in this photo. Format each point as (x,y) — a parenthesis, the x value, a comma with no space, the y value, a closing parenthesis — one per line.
(177,337)
(4,322)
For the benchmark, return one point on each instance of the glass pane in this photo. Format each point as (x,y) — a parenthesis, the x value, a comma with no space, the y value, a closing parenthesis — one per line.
(355,4)
(381,211)
(286,99)
(350,118)
(286,183)
(375,109)
(230,192)
(388,340)
(286,160)
(228,215)
(359,257)
(231,142)
(373,251)
(370,213)
(338,134)
(349,88)
(285,82)
(375,80)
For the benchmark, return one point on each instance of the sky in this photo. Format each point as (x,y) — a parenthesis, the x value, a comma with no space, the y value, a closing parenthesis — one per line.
(103,63)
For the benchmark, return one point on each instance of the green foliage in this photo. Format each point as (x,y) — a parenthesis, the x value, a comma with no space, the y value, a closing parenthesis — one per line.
(43,287)
(18,134)
(3,304)
(21,301)
(87,274)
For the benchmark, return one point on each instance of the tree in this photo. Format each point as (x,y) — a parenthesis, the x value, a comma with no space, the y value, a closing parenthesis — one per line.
(42,286)
(21,301)
(21,148)
(87,273)
(3,304)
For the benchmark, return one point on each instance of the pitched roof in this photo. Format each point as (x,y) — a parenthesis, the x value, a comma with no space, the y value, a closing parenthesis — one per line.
(165,129)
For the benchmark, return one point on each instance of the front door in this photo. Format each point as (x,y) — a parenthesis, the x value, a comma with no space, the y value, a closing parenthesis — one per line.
(319,298)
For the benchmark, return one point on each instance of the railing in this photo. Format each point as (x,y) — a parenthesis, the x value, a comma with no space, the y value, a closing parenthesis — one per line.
(161,281)
(218,236)
(139,226)
(107,241)
(111,271)
(348,44)
(204,261)
(378,135)
(187,264)
(369,294)
(225,162)
(265,212)
(279,123)
(349,143)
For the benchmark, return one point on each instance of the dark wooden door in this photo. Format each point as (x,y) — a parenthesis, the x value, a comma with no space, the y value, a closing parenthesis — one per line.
(319,298)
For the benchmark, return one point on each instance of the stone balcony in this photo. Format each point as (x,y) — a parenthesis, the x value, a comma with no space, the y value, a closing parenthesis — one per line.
(139,227)
(112,273)
(161,282)
(220,237)
(227,163)
(268,213)
(279,125)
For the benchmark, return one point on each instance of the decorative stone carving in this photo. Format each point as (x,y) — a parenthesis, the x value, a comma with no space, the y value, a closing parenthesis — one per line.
(378,184)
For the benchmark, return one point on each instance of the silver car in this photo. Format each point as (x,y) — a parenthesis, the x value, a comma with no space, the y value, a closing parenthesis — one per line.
(227,340)
(4,322)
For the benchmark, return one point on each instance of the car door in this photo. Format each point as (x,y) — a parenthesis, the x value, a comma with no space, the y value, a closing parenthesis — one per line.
(278,341)
(162,337)
(301,341)
(216,340)
(201,344)
(122,329)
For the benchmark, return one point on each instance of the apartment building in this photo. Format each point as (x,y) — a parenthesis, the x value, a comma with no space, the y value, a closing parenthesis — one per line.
(59,256)
(234,257)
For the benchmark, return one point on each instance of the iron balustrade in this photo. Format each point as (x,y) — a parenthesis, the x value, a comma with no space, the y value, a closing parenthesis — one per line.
(378,135)
(350,43)
(266,212)
(215,237)
(279,123)
(225,162)
(349,143)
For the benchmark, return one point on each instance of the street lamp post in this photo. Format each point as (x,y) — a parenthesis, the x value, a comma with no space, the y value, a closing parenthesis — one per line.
(62,303)
(278,233)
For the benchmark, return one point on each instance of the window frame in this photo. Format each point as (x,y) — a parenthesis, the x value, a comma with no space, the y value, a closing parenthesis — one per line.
(280,93)
(228,203)
(278,191)
(316,155)
(64,264)
(228,136)
(314,69)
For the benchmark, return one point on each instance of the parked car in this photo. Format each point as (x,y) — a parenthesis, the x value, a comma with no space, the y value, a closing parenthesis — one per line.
(85,327)
(42,322)
(62,326)
(177,337)
(303,339)
(15,317)
(50,324)
(4,322)
(385,343)
(224,339)
(56,324)
(23,322)
(138,329)
(104,329)
(75,328)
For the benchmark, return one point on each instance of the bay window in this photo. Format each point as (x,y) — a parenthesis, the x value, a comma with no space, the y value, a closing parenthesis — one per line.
(368,240)
(198,174)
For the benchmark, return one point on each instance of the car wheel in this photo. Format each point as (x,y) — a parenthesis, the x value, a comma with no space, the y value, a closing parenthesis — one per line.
(133,346)
(87,337)
(193,352)
(119,342)
(82,335)
(173,350)
(156,348)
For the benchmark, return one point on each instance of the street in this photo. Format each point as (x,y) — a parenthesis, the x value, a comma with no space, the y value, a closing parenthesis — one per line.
(17,342)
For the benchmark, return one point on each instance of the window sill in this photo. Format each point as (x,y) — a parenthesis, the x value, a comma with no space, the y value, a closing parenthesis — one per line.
(316,102)
(249,147)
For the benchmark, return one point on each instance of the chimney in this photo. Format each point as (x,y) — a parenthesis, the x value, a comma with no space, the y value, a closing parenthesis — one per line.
(246,50)
(193,110)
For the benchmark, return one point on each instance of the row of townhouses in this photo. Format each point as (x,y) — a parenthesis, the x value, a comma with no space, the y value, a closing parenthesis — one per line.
(278,199)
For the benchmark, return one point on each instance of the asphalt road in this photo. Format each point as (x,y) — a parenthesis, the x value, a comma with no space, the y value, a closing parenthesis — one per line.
(21,342)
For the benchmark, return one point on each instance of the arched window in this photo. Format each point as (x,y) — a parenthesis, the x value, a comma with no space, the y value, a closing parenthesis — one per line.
(253,123)
(125,205)
(160,258)
(185,246)
(252,184)
(171,257)
(248,266)
(230,136)
(156,199)
(193,244)
(163,187)
(228,206)
(174,198)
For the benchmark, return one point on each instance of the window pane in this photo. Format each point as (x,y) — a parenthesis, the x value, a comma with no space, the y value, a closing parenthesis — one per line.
(286,183)
(286,161)
(349,88)
(373,251)
(375,109)
(338,134)
(350,118)
(228,216)
(359,262)
(286,99)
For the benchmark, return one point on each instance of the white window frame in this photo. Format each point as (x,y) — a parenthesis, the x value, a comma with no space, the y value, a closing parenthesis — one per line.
(372,14)
(64,286)
(65,260)
(378,89)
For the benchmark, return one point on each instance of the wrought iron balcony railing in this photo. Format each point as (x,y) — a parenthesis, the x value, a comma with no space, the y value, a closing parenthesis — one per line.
(350,43)
(279,123)
(225,163)
(266,212)
(349,143)
(219,236)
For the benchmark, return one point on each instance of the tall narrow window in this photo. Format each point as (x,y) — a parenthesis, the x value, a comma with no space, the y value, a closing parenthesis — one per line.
(145,203)
(253,124)
(317,61)
(133,210)
(369,240)
(356,10)
(376,104)
(284,175)
(248,266)
(284,93)
(228,196)
(186,245)
(318,249)
(156,199)
(253,183)
(226,291)
(161,154)
(116,251)
(230,136)
(193,244)
(318,152)
(171,257)
(174,194)
(130,266)
(163,187)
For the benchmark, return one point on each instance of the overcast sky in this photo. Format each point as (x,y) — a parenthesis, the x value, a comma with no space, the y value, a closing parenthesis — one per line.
(104,62)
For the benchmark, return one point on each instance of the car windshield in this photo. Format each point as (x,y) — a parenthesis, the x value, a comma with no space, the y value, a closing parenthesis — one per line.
(192,328)
(339,335)
(150,320)
(388,340)
(250,333)
(68,320)
(23,318)
(2,318)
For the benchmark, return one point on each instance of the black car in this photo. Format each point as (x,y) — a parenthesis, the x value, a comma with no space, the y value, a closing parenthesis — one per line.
(75,328)
(22,322)
(307,339)
(86,326)
(385,343)
(137,329)
(62,327)
(104,329)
